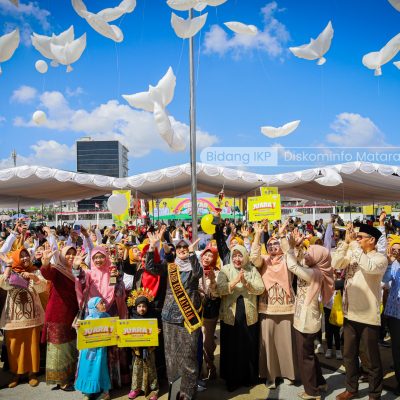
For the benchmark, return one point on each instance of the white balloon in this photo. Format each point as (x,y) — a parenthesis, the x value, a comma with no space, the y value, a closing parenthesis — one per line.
(70,52)
(163,124)
(39,117)
(241,29)
(330,178)
(284,130)
(8,44)
(117,203)
(187,28)
(395,4)
(100,21)
(376,59)
(317,47)
(163,93)
(397,64)
(41,66)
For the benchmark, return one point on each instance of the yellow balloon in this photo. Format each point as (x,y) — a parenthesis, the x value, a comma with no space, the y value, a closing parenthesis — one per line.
(206,224)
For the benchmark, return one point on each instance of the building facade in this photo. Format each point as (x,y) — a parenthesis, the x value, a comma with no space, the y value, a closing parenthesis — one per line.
(103,157)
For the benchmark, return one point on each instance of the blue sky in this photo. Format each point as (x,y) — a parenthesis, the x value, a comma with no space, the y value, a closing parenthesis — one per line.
(239,87)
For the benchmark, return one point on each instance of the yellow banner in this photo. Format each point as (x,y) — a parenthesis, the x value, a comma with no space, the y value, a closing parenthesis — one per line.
(181,208)
(262,207)
(137,332)
(97,333)
(266,190)
(119,220)
(374,210)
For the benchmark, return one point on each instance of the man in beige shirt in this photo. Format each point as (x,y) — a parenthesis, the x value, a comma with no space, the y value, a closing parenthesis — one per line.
(364,269)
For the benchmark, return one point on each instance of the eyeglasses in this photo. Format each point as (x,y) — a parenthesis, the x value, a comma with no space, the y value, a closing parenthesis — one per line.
(182,247)
(363,237)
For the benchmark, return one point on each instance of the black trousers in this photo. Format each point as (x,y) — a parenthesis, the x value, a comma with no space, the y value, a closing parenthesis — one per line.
(331,331)
(310,370)
(355,333)
(394,329)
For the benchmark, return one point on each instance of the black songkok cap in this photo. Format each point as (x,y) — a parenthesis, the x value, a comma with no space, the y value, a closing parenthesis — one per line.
(370,230)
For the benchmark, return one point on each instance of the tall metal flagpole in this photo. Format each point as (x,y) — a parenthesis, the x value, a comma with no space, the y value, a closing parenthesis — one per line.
(193,136)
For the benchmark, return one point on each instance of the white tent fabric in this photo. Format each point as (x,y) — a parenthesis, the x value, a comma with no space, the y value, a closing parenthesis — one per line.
(363,183)
(31,185)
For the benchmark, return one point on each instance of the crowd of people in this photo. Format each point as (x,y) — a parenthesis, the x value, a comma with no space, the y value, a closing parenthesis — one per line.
(270,286)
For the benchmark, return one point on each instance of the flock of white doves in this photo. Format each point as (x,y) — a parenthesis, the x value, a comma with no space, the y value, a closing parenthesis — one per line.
(65,49)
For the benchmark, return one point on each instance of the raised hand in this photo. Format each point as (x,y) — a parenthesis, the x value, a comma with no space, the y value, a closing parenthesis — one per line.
(46,256)
(193,245)
(382,218)
(258,228)
(153,239)
(283,227)
(298,237)
(245,232)
(84,232)
(350,234)
(162,232)
(7,260)
(292,240)
(78,259)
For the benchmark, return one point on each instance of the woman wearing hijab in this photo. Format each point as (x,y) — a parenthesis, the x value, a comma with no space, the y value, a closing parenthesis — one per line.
(22,316)
(98,281)
(181,311)
(314,278)
(60,313)
(239,284)
(93,376)
(276,309)
(211,301)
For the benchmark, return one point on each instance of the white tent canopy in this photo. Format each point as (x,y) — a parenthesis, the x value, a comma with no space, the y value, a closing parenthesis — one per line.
(362,183)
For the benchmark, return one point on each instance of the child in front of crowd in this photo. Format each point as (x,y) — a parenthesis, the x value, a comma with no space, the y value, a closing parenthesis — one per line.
(93,376)
(144,372)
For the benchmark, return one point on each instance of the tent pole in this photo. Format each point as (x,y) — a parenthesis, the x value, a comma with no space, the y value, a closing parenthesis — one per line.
(18,206)
(350,208)
(152,205)
(234,210)
(137,208)
(192,112)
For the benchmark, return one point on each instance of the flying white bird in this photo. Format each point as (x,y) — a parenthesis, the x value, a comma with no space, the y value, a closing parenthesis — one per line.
(317,47)
(69,53)
(42,43)
(162,93)
(395,4)
(241,28)
(376,59)
(155,100)
(100,21)
(187,28)
(284,130)
(198,5)
(8,44)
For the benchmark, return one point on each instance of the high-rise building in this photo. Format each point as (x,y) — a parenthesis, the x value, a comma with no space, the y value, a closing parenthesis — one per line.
(103,157)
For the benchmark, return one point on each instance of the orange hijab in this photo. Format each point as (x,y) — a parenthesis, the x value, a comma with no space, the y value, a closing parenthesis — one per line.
(17,264)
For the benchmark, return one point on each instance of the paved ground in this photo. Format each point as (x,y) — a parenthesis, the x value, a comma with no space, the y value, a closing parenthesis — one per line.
(216,391)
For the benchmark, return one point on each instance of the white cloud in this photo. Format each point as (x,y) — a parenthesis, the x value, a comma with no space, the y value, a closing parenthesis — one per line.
(354,130)
(271,39)
(74,92)
(47,153)
(112,120)
(24,94)
(26,17)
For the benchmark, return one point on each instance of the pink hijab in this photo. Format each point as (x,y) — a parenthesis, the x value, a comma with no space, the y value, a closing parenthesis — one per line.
(274,270)
(319,259)
(98,284)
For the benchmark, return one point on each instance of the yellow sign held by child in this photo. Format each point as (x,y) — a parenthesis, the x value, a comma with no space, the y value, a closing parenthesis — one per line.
(137,332)
(100,332)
